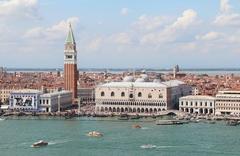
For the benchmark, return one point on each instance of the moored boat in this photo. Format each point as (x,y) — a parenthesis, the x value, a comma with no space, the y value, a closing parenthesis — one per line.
(232,123)
(123,117)
(169,122)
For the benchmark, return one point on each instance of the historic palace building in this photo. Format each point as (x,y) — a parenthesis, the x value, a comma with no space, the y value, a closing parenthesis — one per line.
(139,96)
(228,103)
(70,64)
(197,104)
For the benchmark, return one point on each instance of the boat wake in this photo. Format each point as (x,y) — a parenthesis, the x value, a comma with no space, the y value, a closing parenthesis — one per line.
(150,146)
(145,128)
(54,142)
(164,146)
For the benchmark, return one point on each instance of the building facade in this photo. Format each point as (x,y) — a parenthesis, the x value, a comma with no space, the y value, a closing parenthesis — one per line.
(24,100)
(86,95)
(70,64)
(4,94)
(228,103)
(139,97)
(56,101)
(197,104)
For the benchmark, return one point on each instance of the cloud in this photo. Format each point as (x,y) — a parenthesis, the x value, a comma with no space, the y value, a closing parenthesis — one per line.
(54,32)
(225,6)
(209,36)
(121,38)
(95,44)
(124,11)
(170,32)
(226,16)
(188,18)
(148,23)
(19,8)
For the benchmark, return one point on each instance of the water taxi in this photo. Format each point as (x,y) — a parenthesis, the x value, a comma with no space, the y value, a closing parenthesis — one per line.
(94,134)
(40,143)
(136,126)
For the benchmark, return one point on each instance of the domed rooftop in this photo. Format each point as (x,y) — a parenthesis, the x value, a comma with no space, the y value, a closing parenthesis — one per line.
(144,77)
(140,80)
(128,79)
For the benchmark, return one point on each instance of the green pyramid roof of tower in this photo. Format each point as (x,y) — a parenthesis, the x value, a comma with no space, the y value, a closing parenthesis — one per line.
(70,37)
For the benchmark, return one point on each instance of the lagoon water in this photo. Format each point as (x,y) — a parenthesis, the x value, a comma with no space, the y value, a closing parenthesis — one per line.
(68,138)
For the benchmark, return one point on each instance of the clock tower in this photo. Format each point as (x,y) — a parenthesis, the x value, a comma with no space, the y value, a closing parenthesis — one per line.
(70,64)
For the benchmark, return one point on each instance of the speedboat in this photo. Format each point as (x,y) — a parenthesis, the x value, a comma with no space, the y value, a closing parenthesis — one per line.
(94,134)
(148,146)
(40,143)
(136,126)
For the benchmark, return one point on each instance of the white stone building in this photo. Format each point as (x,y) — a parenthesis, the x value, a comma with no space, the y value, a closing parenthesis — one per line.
(228,103)
(53,102)
(139,97)
(24,100)
(35,100)
(197,104)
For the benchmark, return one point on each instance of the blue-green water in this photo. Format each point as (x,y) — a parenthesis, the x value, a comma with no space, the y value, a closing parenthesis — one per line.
(68,138)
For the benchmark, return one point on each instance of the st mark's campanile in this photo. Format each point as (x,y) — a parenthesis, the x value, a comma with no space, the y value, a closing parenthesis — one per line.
(70,64)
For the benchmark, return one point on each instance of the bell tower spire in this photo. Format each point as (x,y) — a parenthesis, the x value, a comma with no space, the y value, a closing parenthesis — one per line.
(70,63)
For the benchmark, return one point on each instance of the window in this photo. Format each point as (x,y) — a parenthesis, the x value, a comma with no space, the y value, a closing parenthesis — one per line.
(160,96)
(139,94)
(131,95)
(112,94)
(149,96)
(122,94)
(102,94)
(69,56)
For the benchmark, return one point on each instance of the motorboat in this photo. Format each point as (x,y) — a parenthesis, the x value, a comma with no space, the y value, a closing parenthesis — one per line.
(170,122)
(232,123)
(136,126)
(134,117)
(94,134)
(123,117)
(40,143)
(148,146)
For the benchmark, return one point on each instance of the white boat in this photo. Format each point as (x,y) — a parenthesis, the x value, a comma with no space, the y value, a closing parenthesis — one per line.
(148,146)
(1,119)
(40,143)
(94,134)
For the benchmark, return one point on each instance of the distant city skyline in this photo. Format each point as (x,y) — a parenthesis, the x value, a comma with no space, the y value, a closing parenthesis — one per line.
(121,34)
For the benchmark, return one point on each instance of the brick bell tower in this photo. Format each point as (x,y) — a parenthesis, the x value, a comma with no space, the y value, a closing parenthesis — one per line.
(70,64)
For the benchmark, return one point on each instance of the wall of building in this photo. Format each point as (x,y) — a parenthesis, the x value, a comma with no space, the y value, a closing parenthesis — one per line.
(52,102)
(143,98)
(228,103)
(201,105)
(24,100)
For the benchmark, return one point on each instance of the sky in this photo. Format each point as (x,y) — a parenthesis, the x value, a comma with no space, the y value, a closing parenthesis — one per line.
(121,33)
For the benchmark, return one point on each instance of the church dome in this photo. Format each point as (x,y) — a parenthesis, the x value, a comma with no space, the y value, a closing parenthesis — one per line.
(144,77)
(128,79)
(140,80)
